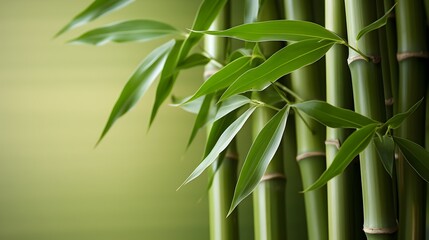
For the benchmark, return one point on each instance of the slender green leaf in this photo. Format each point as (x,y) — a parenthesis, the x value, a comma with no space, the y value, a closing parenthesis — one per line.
(386,150)
(332,116)
(167,79)
(202,117)
(207,12)
(282,62)
(129,31)
(192,107)
(416,156)
(260,154)
(138,84)
(278,30)
(396,121)
(221,144)
(375,25)
(224,77)
(196,59)
(230,105)
(97,9)
(351,147)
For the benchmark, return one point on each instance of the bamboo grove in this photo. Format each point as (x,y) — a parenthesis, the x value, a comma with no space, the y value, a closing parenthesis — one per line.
(337,88)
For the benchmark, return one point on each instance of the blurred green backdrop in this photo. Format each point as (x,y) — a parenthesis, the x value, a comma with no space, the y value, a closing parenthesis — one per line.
(54,101)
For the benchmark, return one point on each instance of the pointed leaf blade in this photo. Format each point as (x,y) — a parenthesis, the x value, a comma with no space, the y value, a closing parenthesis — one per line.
(230,105)
(377,24)
(224,77)
(202,117)
(207,12)
(97,9)
(351,147)
(284,61)
(138,84)
(416,156)
(278,30)
(191,107)
(332,116)
(260,154)
(167,79)
(386,150)
(396,121)
(128,31)
(196,59)
(221,144)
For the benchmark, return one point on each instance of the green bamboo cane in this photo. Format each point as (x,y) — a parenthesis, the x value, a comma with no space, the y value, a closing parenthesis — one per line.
(340,189)
(310,136)
(385,65)
(412,55)
(223,173)
(269,196)
(379,213)
(391,45)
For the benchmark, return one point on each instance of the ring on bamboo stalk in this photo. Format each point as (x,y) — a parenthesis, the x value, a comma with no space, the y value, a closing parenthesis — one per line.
(270,176)
(405,55)
(374,59)
(389,101)
(380,230)
(309,154)
(231,156)
(334,142)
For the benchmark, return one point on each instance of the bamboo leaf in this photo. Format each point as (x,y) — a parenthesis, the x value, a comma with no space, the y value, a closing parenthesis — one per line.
(396,121)
(221,144)
(376,25)
(128,31)
(278,30)
(207,12)
(191,107)
(260,154)
(202,117)
(332,116)
(282,62)
(230,105)
(138,84)
(167,79)
(351,147)
(416,156)
(196,59)
(97,9)
(224,77)
(386,150)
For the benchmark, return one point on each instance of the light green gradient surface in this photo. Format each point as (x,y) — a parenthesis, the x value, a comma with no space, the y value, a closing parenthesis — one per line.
(54,101)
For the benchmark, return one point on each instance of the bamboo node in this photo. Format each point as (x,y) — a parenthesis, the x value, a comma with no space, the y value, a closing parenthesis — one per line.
(380,230)
(389,101)
(231,156)
(373,59)
(334,142)
(309,154)
(405,55)
(270,176)
(208,73)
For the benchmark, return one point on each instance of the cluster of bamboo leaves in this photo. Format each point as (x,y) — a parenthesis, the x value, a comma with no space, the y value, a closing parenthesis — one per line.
(247,70)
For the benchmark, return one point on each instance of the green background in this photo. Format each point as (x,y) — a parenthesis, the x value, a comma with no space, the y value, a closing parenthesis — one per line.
(54,101)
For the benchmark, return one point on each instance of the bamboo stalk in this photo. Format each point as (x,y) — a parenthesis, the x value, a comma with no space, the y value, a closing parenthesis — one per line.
(269,196)
(391,45)
(379,213)
(412,55)
(341,218)
(308,84)
(223,172)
